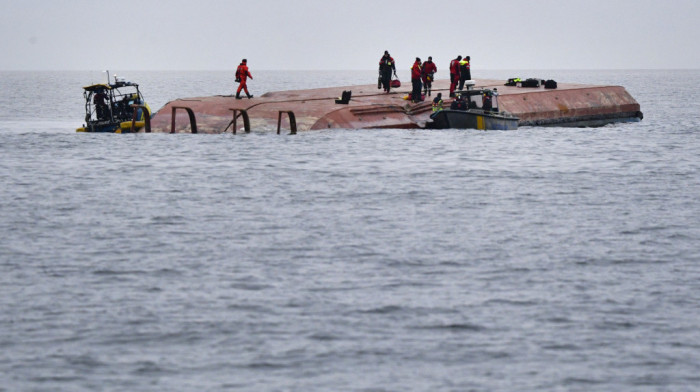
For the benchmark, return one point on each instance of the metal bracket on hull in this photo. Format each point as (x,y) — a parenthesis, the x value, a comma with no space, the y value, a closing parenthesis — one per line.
(246,119)
(193,121)
(292,121)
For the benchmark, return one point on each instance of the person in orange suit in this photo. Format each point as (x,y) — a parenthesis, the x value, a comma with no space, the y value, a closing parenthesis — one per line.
(242,74)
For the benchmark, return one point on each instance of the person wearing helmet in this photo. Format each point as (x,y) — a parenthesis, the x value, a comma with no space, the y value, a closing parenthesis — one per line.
(242,75)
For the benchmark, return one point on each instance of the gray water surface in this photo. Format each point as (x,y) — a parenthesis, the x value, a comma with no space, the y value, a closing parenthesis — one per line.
(542,259)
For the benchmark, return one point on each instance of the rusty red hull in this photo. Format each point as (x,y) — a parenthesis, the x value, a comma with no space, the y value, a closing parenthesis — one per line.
(569,104)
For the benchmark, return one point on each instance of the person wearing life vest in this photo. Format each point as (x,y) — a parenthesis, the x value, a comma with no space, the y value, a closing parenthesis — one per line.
(428,75)
(454,75)
(415,81)
(437,103)
(242,75)
(464,72)
(386,67)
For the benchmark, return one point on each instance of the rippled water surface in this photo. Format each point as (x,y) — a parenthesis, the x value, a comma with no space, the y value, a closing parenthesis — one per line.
(542,259)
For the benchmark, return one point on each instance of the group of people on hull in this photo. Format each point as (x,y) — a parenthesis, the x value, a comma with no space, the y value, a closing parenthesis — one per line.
(422,74)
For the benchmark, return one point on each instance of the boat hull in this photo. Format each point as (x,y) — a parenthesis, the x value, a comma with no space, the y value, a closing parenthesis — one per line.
(473,119)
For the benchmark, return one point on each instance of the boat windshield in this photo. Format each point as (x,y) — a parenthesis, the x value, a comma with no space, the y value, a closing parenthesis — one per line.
(111,103)
(485,99)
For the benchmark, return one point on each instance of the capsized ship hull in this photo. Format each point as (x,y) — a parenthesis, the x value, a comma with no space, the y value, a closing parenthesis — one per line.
(569,104)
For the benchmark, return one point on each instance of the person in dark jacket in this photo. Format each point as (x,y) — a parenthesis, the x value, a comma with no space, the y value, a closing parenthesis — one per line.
(386,67)
(100,101)
(415,80)
(464,71)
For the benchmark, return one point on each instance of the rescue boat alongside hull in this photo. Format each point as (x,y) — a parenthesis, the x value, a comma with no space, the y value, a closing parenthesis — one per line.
(116,107)
(473,119)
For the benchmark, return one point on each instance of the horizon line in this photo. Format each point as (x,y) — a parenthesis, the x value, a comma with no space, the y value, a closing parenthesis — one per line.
(347,70)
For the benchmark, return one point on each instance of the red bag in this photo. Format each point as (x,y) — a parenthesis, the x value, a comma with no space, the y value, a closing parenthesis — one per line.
(395,83)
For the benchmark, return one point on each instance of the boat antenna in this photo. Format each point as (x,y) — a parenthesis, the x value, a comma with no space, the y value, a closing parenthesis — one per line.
(107,76)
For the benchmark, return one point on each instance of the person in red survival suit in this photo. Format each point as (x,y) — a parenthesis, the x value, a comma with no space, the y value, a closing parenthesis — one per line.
(428,74)
(415,80)
(454,75)
(242,74)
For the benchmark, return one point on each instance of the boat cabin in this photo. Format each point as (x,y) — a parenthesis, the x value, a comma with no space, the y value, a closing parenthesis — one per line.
(109,105)
(484,99)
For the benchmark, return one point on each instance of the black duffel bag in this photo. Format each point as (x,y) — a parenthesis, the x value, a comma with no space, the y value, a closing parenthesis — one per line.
(530,82)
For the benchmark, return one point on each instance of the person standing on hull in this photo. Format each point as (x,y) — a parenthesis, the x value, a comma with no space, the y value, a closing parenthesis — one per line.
(242,75)
(415,80)
(454,75)
(428,75)
(386,67)
(464,71)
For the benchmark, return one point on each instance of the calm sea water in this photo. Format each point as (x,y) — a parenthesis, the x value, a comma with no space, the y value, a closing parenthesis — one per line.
(542,259)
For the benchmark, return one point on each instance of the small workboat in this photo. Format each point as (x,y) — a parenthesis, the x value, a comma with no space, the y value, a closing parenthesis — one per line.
(115,107)
(474,109)
(473,119)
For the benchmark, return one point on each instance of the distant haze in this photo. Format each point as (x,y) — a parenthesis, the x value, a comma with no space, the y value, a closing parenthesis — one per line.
(337,35)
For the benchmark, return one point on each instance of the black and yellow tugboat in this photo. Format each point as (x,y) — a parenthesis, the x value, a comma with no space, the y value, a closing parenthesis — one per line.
(115,107)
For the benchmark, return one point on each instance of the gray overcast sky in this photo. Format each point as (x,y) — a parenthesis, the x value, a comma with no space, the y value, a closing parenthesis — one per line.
(352,34)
